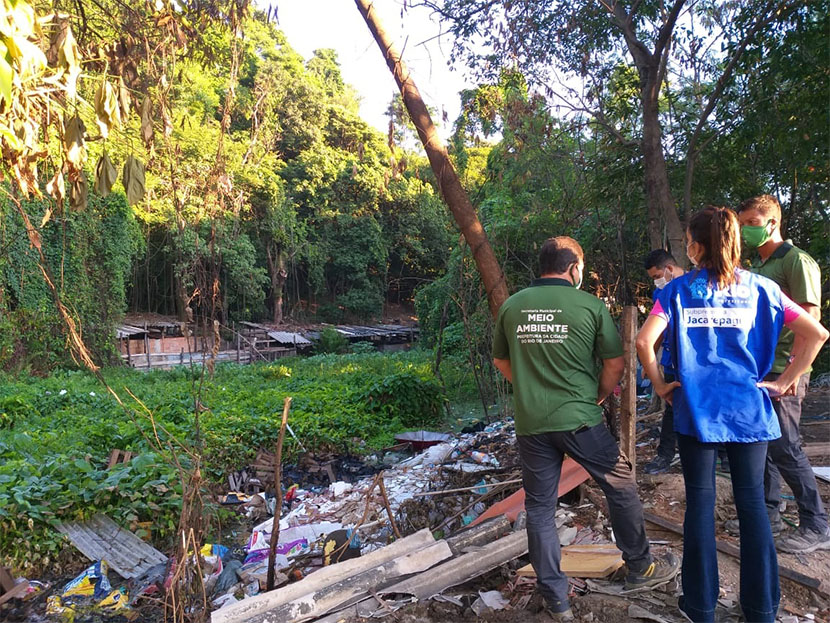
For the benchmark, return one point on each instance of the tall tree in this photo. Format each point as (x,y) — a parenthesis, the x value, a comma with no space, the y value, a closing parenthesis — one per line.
(584,41)
(448,182)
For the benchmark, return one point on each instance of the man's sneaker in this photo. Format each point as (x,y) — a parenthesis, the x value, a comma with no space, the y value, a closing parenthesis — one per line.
(733,526)
(803,541)
(565,615)
(661,570)
(659,465)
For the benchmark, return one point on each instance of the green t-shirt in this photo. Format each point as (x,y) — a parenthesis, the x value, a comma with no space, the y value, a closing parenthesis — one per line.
(554,336)
(798,275)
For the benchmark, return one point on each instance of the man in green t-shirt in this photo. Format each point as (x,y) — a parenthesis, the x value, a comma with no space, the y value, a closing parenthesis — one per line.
(799,277)
(559,348)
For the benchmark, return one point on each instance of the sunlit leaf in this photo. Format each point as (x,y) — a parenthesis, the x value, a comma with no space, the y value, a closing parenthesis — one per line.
(73,141)
(106,108)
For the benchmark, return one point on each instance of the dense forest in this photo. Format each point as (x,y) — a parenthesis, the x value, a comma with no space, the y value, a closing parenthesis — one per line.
(264,196)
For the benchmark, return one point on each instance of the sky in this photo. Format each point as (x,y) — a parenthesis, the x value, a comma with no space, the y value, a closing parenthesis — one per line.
(337,24)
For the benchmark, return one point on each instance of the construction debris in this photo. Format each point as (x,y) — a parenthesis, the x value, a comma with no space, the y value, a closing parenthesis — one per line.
(101,538)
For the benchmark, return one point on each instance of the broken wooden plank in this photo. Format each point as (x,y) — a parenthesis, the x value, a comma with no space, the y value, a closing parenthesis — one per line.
(9,589)
(815,584)
(356,587)
(463,568)
(101,538)
(585,561)
(263,603)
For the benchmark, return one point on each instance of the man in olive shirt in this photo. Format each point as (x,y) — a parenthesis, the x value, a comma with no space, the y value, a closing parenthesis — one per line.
(549,340)
(799,277)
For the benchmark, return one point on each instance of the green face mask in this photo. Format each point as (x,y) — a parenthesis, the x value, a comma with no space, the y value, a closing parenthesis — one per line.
(755,236)
(576,284)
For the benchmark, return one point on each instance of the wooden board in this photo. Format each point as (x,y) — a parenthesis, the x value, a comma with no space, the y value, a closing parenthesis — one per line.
(586,561)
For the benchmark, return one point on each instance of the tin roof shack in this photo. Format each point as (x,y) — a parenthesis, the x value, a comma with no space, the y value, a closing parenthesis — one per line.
(163,344)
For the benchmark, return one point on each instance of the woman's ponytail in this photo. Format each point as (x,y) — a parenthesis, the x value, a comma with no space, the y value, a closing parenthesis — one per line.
(717,230)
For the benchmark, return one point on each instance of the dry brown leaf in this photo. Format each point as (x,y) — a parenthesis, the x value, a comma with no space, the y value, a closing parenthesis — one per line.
(105,175)
(106,108)
(147,122)
(78,193)
(133,180)
(56,187)
(123,99)
(73,142)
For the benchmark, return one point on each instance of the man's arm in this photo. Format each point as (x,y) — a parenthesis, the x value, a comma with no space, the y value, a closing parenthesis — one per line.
(503,366)
(798,341)
(612,371)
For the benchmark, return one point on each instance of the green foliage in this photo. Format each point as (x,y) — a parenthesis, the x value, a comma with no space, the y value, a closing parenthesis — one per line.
(362,348)
(89,255)
(330,340)
(416,402)
(56,434)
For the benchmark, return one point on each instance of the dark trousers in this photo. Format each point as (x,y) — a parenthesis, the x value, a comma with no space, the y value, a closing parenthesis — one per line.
(760,592)
(667,437)
(596,450)
(786,458)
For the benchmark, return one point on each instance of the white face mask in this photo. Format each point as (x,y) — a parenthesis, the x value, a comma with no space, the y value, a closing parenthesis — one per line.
(660,283)
(691,259)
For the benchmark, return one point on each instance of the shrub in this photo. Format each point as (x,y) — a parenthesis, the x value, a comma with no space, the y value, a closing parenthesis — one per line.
(331,340)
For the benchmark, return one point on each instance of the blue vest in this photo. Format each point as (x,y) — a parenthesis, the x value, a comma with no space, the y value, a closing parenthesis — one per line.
(666,359)
(723,343)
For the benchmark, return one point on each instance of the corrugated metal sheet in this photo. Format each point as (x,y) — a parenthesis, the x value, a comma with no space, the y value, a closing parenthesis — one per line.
(126,330)
(101,538)
(285,337)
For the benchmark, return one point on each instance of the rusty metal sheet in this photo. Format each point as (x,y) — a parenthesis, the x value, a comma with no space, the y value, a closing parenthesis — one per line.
(101,538)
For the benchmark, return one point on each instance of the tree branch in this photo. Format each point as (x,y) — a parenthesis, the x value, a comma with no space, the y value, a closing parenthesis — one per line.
(771,10)
(667,28)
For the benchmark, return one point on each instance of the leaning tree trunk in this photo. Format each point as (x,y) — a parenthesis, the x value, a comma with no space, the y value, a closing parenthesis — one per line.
(661,207)
(448,183)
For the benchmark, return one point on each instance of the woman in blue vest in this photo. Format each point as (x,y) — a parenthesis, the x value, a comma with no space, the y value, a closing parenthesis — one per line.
(723,323)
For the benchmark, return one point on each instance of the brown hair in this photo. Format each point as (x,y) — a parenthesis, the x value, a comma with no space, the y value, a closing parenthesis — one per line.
(558,254)
(718,232)
(767,205)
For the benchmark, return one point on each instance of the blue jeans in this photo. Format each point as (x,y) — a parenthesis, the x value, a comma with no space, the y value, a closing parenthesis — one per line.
(760,592)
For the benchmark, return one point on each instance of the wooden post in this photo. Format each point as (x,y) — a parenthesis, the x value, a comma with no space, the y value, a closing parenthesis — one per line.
(628,398)
(275,526)
(238,342)
(147,344)
(129,356)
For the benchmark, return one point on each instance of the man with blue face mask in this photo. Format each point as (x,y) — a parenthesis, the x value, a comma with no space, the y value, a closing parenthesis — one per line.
(798,275)
(662,268)
(560,349)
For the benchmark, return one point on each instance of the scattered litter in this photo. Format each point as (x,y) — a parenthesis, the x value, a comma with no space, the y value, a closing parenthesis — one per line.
(422,439)
(636,612)
(489,601)
(90,591)
(823,473)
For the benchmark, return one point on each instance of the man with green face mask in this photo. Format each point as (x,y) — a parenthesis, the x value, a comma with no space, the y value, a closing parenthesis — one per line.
(799,277)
